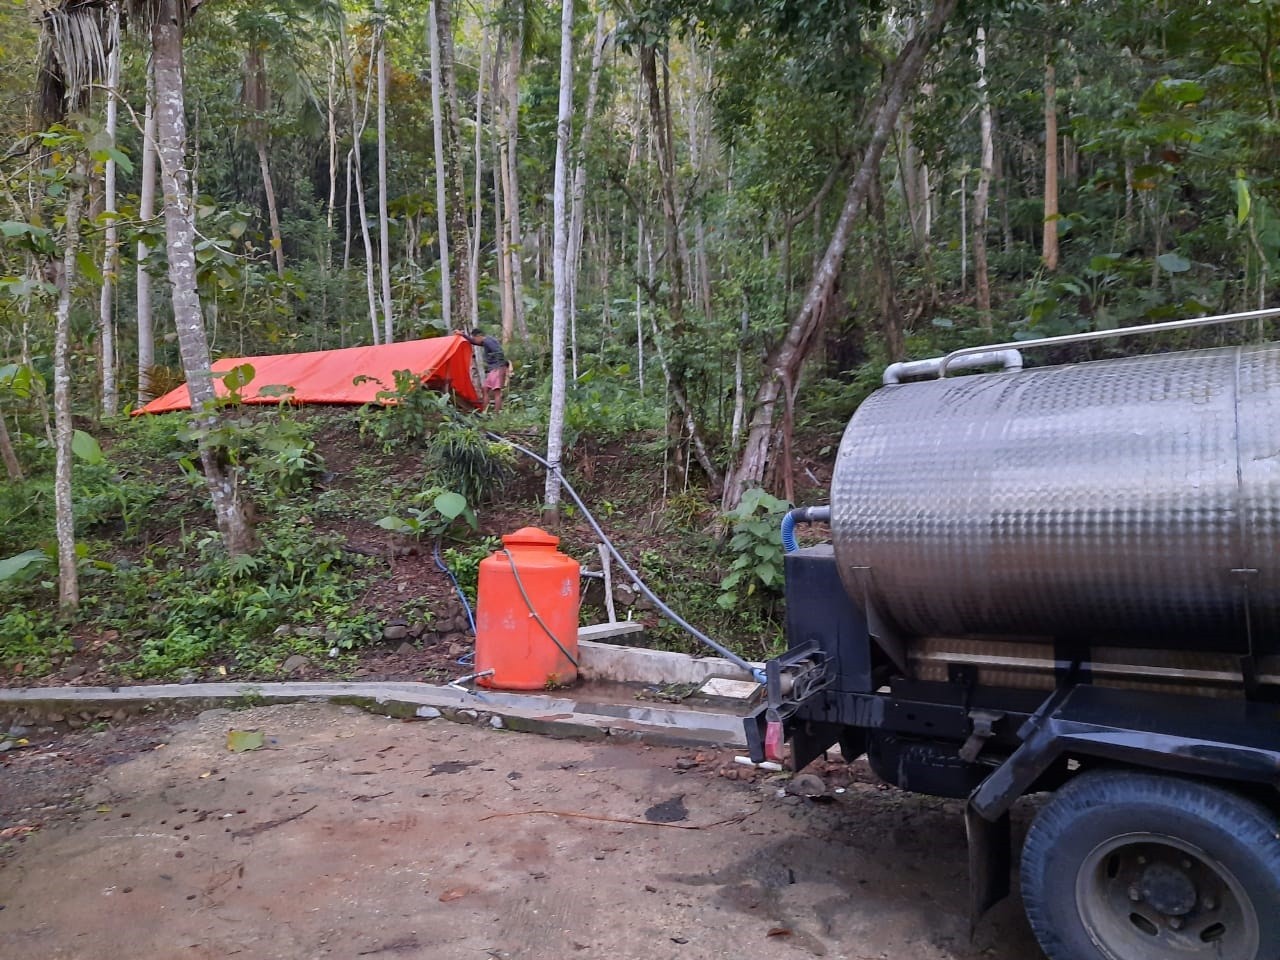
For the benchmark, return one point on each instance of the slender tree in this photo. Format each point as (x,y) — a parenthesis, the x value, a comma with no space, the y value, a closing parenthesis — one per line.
(982,195)
(782,367)
(64,516)
(560,271)
(111,234)
(146,213)
(165,20)
(1049,252)
(438,124)
(384,242)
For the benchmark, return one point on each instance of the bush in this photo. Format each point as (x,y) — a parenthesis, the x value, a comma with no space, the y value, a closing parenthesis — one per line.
(467,461)
(227,610)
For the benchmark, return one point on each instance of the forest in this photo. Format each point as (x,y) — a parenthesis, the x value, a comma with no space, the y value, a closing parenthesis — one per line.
(700,229)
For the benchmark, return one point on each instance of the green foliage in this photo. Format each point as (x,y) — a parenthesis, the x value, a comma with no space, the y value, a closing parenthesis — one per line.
(30,640)
(465,460)
(757,541)
(464,563)
(445,506)
(22,566)
(275,449)
(227,610)
(406,414)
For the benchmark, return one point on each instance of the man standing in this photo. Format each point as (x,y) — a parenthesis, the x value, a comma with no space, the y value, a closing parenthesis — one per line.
(496,366)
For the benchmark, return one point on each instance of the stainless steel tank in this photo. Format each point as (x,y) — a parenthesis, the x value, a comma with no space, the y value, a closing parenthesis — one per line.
(1132,501)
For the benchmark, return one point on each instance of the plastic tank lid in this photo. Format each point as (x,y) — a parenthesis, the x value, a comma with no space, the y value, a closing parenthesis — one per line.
(530,537)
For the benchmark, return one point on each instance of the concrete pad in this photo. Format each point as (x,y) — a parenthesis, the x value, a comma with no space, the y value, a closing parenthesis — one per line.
(603,661)
(737,691)
(600,632)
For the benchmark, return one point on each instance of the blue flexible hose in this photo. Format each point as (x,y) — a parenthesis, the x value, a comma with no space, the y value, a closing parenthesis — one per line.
(800,515)
(466,659)
(788,531)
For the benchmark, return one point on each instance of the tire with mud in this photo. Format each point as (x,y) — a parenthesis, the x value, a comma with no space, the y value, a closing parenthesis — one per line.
(1127,865)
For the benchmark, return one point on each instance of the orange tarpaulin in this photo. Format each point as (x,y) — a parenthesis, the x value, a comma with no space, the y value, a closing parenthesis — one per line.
(326,376)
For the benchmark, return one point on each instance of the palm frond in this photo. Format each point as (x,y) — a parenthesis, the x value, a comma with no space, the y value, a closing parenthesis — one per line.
(76,37)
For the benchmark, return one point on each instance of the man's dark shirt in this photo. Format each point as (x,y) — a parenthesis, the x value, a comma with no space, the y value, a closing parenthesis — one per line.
(493,355)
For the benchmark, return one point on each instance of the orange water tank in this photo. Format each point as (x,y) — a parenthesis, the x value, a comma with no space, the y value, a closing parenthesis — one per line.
(527,614)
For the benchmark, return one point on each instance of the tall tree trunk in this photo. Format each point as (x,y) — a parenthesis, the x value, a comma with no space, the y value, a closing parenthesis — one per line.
(580,177)
(146,212)
(560,271)
(786,359)
(330,213)
(111,238)
(12,466)
(473,276)
(890,309)
(258,101)
(438,123)
(459,241)
(511,185)
(384,241)
(982,195)
(739,381)
(64,515)
(1049,253)
(674,254)
(359,120)
(179,217)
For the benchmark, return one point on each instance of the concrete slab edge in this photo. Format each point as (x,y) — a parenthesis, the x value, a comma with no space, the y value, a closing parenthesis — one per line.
(620,664)
(533,713)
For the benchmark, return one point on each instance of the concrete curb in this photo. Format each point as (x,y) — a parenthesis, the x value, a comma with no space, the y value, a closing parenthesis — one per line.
(608,661)
(562,717)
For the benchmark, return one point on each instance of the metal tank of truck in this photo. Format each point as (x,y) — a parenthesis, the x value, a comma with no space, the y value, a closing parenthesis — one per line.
(1063,580)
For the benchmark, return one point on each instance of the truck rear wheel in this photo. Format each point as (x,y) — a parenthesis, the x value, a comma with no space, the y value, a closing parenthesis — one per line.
(1140,866)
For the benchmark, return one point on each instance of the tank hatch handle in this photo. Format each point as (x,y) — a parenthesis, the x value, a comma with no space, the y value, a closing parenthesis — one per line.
(983,720)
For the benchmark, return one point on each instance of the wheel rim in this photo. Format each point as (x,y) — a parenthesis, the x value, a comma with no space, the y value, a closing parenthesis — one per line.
(1144,896)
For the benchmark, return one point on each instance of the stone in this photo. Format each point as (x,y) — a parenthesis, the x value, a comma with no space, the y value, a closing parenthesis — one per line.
(396,631)
(415,631)
(18,730)
(496,723)
(624,594)
(75,671)
(295,664)
(806,785)
(427,713)
(456,650)
(466,716)
(331,637)
(406,649)
(284,630)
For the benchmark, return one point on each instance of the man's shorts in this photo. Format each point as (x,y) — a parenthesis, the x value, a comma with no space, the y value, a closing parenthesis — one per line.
(496,378)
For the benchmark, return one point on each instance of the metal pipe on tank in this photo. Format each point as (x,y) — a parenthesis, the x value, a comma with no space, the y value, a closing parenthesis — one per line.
(955,359)
(1005,358)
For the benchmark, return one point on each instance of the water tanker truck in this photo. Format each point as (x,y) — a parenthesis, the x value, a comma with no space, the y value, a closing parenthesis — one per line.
(1062,580)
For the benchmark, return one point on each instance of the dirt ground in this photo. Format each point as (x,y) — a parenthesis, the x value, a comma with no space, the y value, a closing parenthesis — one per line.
(349,835)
